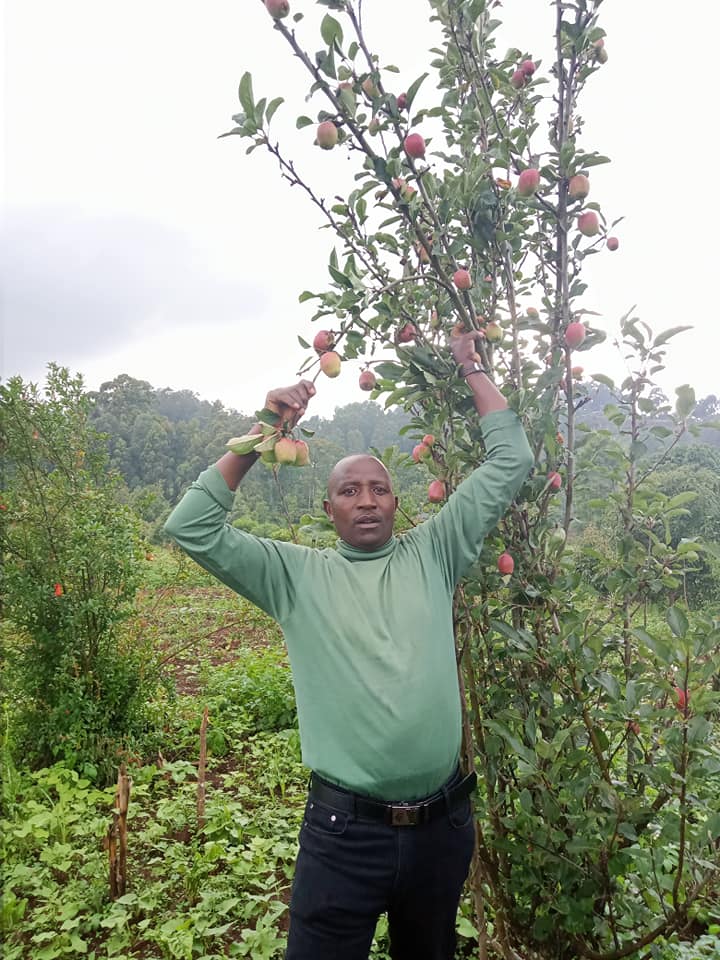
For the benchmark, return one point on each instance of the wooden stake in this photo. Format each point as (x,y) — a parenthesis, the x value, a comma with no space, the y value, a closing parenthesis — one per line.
(116,837)
(201,771)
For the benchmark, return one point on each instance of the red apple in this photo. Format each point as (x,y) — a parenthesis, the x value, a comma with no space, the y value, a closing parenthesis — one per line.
(613,243)
(414,146)
(428,439)
(554,479)
(578,186)
(533,313)
(517,80)
(285,450)
(505,564)
(402,101)
(588,223)
(323,340)
(327,135)
(367,380)
(577,373)
(528,67)
(407,333)
(302,453)
(575,334)
(528,182)
(330,364)
(462,279)
(277,8)
(681,698)
(420,452)
(436,491)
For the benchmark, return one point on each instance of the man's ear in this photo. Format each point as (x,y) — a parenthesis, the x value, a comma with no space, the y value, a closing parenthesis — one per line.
(328,509)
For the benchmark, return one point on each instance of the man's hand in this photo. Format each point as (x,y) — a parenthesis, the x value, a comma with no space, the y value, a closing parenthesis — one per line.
(290,403)
(463,347)
(486,395)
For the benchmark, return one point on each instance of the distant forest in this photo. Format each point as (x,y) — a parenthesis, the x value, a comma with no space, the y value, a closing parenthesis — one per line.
(161,439)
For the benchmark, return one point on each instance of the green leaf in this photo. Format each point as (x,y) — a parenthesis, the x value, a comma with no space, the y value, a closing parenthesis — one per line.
(245,93)
(389,371)
(307,295)
(413,89)
(680,499)
(331,30)
(668,334)
(677,621)
(610,684)
(246,444)
(272,107)
(268,416)
(303,122)
(303,343)
(659,647)
(685,403)
(601,378)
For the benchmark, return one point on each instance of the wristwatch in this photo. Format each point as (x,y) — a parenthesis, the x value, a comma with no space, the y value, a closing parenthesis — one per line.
(475,367)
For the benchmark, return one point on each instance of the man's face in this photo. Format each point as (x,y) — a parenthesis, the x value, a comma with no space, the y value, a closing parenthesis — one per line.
(361,502)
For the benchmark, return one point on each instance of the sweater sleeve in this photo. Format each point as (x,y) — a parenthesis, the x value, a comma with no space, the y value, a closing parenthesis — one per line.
(264,571)
(457,531)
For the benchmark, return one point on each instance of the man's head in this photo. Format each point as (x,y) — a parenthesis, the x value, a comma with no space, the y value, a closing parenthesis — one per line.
(361,502)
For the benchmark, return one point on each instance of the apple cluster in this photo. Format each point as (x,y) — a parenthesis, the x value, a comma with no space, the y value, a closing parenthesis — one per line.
(330,362)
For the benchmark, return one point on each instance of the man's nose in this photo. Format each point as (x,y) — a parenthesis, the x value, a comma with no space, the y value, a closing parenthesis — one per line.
(366,498)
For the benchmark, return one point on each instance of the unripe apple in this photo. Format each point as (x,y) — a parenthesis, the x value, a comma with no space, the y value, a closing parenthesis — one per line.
(285,450)
(420,452)
(517,80)
(330,364)
(374,126)
(505,564)
(613,243)
(422,253)
(327,135)
(277,8)
(528,67)
(323,340)
(367,381)
(268,456)
(407,333)
(577,373)
(493,332)
(462,279)
(528,182)
(302,453)
(414,146)
(554,480)
(575,334)
(406,190)
(369,88)
(588,223)
(600,53)
(436,491)
(428,439)
(402,101)
(578,186)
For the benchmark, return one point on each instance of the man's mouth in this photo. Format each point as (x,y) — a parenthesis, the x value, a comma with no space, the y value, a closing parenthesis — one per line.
(367,521)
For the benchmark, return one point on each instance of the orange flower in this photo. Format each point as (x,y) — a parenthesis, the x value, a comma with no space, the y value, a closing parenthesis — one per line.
(59,590)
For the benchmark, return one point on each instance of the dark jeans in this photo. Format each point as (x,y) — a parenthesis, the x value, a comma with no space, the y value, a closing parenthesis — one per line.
(349,871)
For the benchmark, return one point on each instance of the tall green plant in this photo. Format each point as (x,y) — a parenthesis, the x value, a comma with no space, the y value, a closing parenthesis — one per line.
(589,713)
(71,561)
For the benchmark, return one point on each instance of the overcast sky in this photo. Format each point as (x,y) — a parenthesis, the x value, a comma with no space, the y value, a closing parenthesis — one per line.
(137,242)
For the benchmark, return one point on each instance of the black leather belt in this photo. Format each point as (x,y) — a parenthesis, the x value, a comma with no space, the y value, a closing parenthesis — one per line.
(394,814)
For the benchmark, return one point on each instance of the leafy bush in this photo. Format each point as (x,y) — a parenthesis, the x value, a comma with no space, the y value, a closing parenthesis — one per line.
(72,560)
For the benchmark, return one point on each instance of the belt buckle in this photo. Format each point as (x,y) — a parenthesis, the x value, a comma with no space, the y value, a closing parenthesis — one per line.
(405,815)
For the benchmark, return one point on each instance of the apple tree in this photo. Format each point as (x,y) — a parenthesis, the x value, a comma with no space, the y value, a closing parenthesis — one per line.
(589,712)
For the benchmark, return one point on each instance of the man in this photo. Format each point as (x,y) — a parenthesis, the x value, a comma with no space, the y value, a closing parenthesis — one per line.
(388,824)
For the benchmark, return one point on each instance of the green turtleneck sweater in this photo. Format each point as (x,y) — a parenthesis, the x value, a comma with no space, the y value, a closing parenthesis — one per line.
(369,634)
